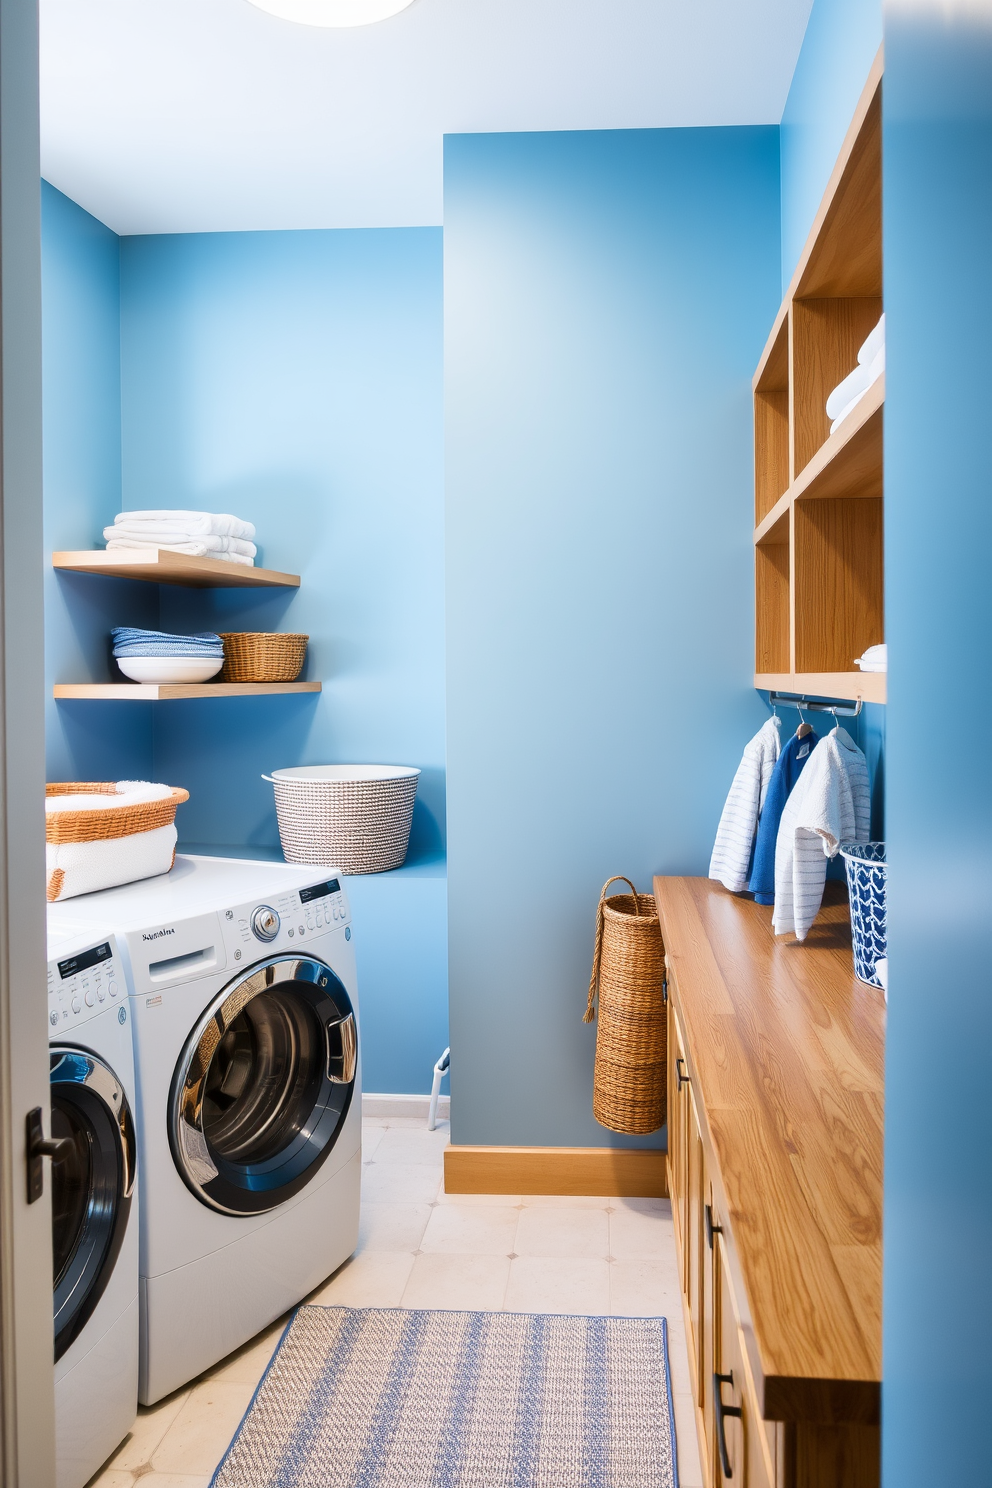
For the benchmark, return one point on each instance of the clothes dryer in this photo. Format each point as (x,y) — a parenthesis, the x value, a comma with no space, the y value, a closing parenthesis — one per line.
(94,1200)
(243,991)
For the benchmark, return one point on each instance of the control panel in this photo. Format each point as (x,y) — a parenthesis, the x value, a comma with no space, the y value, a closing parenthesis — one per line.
(287,919)
(83,985)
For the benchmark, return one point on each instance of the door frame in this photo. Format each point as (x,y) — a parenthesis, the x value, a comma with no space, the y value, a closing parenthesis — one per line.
(27,1405)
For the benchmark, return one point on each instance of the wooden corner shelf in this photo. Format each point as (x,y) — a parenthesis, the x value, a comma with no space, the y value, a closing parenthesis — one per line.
(160,566)
(146,692)
(819,581)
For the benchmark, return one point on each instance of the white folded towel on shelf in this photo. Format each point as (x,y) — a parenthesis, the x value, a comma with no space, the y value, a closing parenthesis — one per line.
(871,364)
(133,537)
(189,523)
(194,549)
(875,659)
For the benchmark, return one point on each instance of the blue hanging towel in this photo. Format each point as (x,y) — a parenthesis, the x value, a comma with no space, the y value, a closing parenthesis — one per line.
(788,768)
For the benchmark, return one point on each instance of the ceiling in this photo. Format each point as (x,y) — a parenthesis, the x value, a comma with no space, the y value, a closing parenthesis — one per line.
(211,115)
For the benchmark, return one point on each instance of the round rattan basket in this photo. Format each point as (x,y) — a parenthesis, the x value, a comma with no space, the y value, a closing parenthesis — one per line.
(101,826)
(628,972)
(262,656)
(353,817)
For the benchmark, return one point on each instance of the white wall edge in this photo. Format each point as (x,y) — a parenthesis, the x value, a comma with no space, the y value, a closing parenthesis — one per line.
(404,1105)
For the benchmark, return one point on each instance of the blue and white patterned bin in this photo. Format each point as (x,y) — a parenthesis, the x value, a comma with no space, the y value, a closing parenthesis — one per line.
(865,864)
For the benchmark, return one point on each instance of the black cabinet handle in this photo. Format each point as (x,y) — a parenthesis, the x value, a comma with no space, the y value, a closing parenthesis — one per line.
(664,991)
(679,1067)
(39,1146)
(721,1411)
(711,1228)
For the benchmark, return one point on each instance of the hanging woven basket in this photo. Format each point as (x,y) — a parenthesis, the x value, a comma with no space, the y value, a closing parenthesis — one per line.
(628,969)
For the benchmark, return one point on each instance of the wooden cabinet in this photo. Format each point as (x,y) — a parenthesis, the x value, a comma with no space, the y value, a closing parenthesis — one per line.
(775,1080)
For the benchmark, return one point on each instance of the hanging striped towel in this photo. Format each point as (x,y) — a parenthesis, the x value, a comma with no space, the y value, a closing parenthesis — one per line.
(735,835)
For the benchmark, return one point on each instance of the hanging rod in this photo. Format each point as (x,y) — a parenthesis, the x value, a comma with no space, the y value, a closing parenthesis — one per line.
(816,705)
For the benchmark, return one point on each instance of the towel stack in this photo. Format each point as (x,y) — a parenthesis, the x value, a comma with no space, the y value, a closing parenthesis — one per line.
(871,365)
(201,534)
(875,659)
(130,641)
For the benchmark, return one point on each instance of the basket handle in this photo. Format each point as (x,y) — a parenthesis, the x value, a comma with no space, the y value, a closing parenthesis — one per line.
(590,1011)
(270,779)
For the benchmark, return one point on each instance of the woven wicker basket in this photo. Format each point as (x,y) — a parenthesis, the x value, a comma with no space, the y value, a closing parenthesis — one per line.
(355,818)
(77,843)
(629,1081)
(262,656)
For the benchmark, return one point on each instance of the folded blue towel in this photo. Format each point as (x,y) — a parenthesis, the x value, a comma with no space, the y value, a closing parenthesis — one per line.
(129,640)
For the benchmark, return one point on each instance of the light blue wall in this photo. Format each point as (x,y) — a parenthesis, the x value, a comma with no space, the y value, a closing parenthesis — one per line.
(606,300)
(841,40)
(938,1169)
(82,473)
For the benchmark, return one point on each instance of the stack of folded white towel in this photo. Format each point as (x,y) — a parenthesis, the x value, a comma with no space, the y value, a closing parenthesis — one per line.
(871,365)
(875,659)
(201,534)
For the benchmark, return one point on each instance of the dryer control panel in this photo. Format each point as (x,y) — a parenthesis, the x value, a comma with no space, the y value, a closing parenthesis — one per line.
(84,984)
(287,919)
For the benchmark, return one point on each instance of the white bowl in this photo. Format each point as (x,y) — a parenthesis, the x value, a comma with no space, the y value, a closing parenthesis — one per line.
(170,668)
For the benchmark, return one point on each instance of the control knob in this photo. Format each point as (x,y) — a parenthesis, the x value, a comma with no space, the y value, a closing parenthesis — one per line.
(265,923)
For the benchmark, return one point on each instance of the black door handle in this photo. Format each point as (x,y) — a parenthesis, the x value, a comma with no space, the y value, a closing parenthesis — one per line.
(39,1146)
(711,1228)
(679,1067)
(721,1411)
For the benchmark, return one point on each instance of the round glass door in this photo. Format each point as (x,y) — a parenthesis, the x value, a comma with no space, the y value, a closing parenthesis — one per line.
(92,1184)
(263,1086)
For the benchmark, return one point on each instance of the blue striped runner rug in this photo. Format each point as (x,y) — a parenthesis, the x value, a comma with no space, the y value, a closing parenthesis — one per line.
(392,1398)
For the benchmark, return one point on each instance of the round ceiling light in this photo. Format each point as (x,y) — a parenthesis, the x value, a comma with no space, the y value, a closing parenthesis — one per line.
(332,12)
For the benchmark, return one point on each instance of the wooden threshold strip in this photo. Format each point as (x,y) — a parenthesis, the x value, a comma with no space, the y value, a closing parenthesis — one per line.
(617,1172)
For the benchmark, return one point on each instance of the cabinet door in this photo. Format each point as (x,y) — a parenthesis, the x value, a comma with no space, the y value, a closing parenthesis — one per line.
(694,1239)
(677,1166)
(743,1444)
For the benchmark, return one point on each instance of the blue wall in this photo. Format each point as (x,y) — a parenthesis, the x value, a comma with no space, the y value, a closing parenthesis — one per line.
(938,1170)
(296,379)
(606,300)
(841,40)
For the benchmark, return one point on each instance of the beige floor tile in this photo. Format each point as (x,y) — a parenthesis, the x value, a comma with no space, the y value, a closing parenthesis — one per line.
(645,1289)
(469,1282)
(578,1233)
(111,1477)
(423,1148)
(546,1284)
(248,1364)
(565,1201)
(371,1140)
(372,1279)
(152,1423)
(660,1207)
(202,1431)
(639,1236)
(397,1227)
(399,1183)
(482,1201)
(466,1229)
(175,1480)
(678,1357)
(690,1472)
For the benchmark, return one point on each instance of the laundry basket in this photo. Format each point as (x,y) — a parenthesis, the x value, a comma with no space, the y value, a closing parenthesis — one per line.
(353,817)
(262,656)
(628,971)
(90,845)
(866,870)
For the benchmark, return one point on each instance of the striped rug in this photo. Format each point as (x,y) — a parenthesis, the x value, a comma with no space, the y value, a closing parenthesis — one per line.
(390,1398)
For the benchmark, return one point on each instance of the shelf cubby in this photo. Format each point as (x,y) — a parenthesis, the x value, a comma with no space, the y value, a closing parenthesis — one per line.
(818,539)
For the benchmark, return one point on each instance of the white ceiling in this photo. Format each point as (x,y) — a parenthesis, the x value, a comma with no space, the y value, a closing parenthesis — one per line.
(210,115)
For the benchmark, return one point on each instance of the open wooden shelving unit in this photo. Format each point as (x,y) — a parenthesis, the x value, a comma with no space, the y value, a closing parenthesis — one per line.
(818,537)
(160,566)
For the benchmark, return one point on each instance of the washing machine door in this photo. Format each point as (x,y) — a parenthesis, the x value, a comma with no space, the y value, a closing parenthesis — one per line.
(263,1085)
(92,1184)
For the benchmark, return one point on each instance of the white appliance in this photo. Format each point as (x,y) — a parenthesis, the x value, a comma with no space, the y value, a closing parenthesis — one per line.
(242,984)
(94,1199)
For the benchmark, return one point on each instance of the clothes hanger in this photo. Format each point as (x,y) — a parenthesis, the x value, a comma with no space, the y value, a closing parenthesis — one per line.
(804,728)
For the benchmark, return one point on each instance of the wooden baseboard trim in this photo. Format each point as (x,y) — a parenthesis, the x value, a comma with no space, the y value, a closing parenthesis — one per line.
(617,1172)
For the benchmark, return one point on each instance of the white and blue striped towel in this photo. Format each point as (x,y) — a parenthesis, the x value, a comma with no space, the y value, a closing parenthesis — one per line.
(129,640)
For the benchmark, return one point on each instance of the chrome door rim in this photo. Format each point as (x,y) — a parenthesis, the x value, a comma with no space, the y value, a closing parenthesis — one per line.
(197,1164)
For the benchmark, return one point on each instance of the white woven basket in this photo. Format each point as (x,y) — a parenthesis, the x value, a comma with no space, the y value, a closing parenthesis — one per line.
(353,817)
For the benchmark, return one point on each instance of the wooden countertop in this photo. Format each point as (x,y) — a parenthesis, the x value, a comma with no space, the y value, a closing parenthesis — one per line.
(786,1049)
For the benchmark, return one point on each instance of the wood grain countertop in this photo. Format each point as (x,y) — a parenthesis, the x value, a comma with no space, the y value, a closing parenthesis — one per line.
(786,1049)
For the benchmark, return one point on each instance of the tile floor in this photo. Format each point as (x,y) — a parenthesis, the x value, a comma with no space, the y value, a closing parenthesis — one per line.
(421,1247)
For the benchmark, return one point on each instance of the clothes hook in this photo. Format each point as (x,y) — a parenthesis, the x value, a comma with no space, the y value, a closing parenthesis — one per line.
(804,727)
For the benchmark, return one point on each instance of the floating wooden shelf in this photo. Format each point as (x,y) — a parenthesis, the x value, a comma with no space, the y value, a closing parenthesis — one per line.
(145,692)
(819,583)
(868,686)
(163,567)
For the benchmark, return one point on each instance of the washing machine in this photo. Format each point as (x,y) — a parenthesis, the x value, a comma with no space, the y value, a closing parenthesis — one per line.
(95,1221)
(245,1021)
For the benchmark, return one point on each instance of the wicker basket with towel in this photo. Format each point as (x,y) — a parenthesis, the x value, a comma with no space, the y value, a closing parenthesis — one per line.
(99,834)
